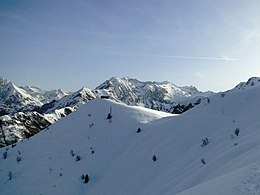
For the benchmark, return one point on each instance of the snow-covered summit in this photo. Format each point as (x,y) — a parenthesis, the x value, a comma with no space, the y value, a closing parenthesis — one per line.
(72,101)
(156,95)
(3,82)
(252,82)
(14,99)
(43,95)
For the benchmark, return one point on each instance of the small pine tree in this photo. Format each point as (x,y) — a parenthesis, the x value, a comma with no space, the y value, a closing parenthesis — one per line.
(18,159)
(109,116)
(237,131)
(86,179)
(78,158)
(72,153)
(82,176)
(5,155)
(203,161)
(154,158)
(138,130)
(10,175)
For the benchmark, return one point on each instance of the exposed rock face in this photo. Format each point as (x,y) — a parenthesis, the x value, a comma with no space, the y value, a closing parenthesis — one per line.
(20,126)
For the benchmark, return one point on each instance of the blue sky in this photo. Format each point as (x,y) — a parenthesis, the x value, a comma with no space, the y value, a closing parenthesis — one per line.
(210,44)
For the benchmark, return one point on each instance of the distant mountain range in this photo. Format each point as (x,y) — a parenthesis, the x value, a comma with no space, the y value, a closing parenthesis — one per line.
(27,110)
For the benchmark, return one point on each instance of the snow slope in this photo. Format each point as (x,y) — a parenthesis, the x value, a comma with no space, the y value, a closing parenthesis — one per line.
(82,131)
(118,160)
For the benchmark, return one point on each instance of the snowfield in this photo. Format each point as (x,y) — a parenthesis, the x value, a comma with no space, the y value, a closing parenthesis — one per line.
(210,149)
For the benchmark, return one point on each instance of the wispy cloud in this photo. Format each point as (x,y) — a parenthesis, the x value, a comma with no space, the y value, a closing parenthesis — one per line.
(225,58)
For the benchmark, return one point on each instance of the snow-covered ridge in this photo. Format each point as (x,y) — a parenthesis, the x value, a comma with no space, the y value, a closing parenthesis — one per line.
(45,96)
(212,149)
(252,82)
(162,96)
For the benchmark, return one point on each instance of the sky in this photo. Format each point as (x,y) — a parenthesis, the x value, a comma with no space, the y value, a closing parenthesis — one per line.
(66,44)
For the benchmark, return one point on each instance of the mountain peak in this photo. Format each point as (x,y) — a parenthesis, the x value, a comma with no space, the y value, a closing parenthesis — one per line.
(251,82)
(3,82)
(156,95)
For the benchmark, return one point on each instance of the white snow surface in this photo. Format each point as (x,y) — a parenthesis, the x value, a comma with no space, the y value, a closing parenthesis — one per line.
(122,159)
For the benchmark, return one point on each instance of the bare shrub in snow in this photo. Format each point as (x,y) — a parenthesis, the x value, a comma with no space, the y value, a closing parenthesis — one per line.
(205,142)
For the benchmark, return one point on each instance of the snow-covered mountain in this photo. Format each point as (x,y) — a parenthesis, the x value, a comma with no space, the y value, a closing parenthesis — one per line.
(43,95)
(57,109)
(252,82)
(73,101)
(163,96)
(15,99)
(211,149)
(18,118)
